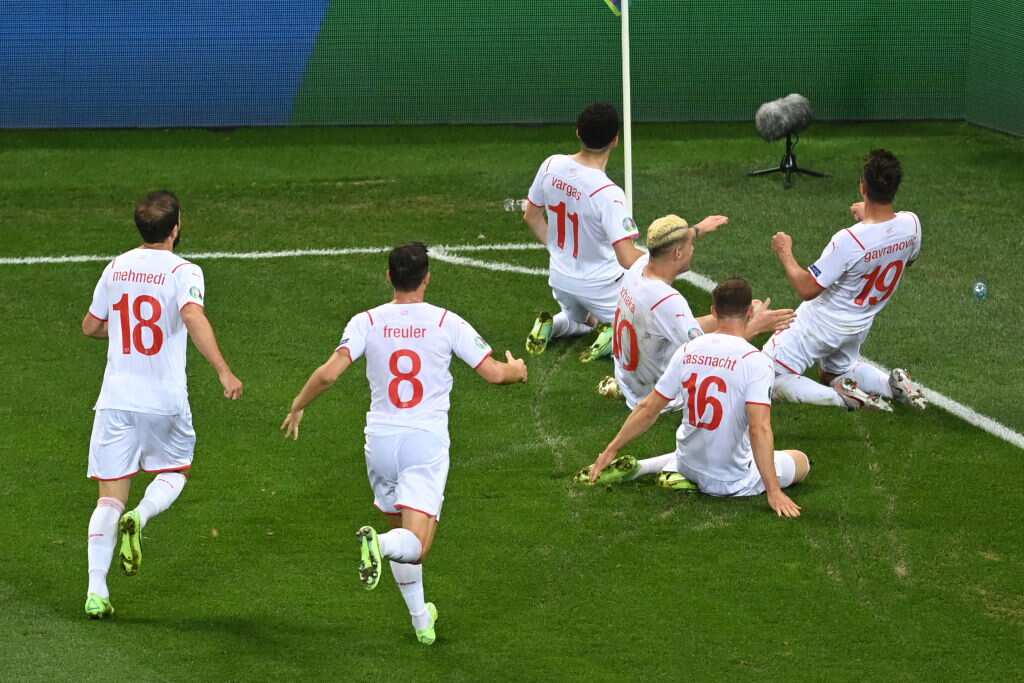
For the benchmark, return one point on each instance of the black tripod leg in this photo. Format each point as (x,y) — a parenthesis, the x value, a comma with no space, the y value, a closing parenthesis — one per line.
(765,171)
(816,174)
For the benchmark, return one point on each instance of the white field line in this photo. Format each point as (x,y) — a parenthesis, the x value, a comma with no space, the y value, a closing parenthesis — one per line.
(259,255)
(450,254)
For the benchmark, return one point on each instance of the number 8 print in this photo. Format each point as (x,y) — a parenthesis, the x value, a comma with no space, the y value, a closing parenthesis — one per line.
(410,377)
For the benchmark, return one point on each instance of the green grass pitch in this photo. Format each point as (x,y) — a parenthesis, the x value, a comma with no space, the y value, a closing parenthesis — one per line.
(907,563)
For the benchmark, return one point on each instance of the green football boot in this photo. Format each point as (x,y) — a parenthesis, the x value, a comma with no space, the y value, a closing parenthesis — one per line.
(601,347)
(130,551)
(97,607)
(370,561)
(676,482)
(427,635)
(622,468)
(540,335)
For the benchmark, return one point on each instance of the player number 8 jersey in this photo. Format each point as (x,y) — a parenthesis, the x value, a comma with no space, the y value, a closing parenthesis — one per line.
(408,349)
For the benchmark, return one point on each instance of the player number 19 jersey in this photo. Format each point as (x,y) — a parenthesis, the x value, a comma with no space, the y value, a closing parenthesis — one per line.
(408,349)
(860,270)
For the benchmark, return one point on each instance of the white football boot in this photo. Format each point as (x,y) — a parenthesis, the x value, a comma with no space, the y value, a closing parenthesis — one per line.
(609,388)
(856,398)
(905,390)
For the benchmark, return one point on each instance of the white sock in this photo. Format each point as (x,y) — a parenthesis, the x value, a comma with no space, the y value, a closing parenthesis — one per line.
(654,465)
(102,540)
(400,545)
(870,379)
(800,389)
(409,578)
(160,493)
(561,326)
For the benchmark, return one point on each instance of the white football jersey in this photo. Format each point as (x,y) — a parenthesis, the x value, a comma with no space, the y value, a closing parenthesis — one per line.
(717,375)
(140,295)
(652,320)
(860,270)
(587,214)
(408,349)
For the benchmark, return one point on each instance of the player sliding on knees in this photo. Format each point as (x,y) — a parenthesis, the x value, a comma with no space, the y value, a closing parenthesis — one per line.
(588,232)
(146,304)
(653,319)
(724,446)
(408,345)
(855,277)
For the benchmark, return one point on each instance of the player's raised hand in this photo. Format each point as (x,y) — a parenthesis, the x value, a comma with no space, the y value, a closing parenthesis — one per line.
(518,366)
(764,319)
(711,223)
(782,244)
(232,385)
(857,209)
(290,426)
(782,504)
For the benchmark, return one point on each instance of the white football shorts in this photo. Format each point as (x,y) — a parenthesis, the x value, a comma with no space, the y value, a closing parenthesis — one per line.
(124,442)
(407,468)
(804,343)
(601,301)
(753,485)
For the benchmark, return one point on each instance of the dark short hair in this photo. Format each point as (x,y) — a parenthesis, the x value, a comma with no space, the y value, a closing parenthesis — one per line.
(408,266)
(732,298)
(882,175)
(597,125)
(156,215)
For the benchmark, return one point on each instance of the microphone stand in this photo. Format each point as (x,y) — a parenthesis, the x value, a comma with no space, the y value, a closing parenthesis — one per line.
(789,165)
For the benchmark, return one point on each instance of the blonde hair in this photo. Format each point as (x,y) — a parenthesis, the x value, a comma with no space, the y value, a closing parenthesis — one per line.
(665,231)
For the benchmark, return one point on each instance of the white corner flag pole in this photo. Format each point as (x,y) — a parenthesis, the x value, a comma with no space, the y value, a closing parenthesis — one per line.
(627,111)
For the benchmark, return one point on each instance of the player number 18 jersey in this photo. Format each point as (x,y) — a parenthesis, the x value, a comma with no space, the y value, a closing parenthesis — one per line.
(140,295)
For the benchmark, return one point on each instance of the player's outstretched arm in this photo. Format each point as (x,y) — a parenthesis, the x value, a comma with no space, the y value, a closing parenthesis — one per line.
(94,327)
(627,252)
(201,332)
(763,444)
(710,224)
(322,379)
(535,218)
(639,421)
(513,370)
(764,319)
(801,280)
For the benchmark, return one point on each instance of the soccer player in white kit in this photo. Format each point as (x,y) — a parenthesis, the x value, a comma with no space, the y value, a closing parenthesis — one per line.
(146,304)
(581,216)
(653,318)
(408,345)
(855,277)
(725,443)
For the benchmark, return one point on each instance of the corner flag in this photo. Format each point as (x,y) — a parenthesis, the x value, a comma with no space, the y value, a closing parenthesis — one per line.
(613,5)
